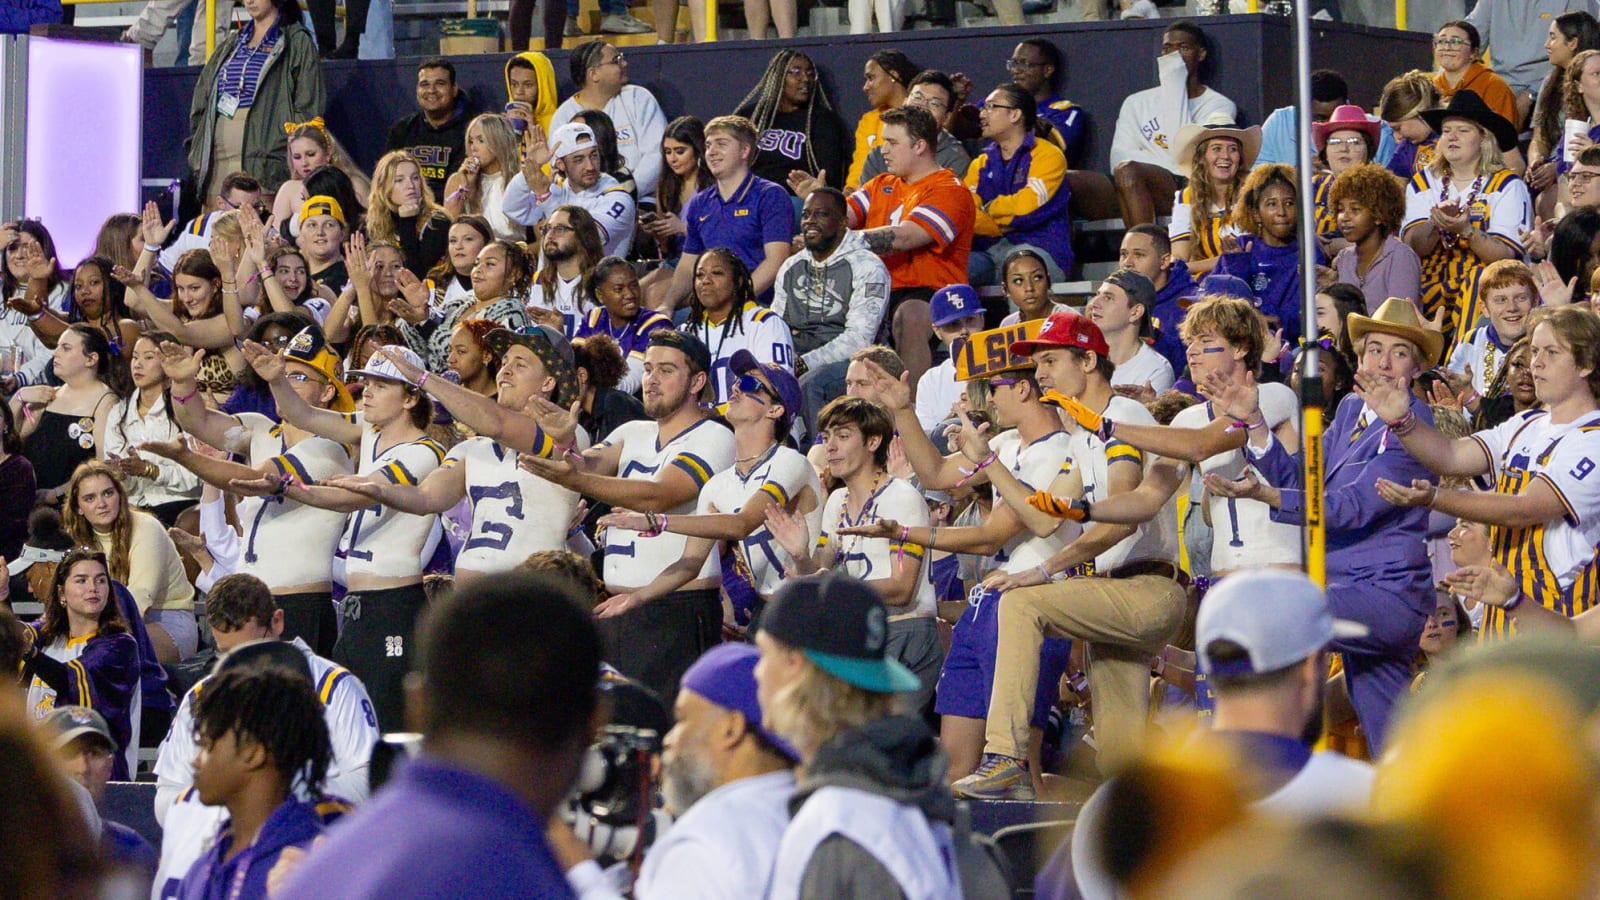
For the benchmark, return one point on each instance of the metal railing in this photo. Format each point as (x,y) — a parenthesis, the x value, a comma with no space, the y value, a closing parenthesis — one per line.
(211,19)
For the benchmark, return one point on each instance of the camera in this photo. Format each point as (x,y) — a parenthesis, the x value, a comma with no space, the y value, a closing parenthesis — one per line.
(613,806)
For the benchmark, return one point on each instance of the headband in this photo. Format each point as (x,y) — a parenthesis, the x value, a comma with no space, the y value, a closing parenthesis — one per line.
(290,128)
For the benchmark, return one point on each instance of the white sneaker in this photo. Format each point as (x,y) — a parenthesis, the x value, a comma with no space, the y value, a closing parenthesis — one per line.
(624,23)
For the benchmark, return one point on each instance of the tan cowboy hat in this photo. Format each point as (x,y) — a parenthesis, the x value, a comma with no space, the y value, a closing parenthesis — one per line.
(1399,317)
(1190,137)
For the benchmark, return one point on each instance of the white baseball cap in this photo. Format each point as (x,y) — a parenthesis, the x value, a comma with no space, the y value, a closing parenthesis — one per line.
(571,138)
(381,367)
(1278,616)
(30,555)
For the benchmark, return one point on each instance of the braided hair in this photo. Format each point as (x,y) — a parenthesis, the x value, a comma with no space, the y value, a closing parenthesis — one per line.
(744,293)
(274,708)
(760,106)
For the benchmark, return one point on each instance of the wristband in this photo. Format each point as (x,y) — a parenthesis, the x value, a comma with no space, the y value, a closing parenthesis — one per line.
(185,398)
(1403,426)
(266,273)
(1046,573)
(422,383)
(978,468)
(540,198)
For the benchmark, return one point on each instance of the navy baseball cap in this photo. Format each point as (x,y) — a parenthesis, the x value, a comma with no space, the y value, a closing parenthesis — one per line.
(685,343)
(781,379)
(726,676)
(1278,616)
(841,625)
(1220,285)
(954,303)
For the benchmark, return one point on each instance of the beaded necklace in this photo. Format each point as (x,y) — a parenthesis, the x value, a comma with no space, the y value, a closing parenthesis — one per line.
(867,509)
(1466,204)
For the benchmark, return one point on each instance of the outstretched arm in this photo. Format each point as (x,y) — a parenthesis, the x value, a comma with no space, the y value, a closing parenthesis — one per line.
(443,488)
(292,408)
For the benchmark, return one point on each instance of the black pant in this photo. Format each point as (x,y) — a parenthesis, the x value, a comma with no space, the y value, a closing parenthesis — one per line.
(310,617)
(521,15)
(656,643)
(376,645)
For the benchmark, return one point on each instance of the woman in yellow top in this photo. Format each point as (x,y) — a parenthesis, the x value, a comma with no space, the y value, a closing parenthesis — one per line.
(1217,157)
(886,82)
(142,556)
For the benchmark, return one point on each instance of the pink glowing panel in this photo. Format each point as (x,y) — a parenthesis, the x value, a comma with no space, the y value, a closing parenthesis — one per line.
(85,131)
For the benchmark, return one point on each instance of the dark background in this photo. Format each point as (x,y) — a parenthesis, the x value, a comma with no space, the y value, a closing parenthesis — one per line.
(1252,62)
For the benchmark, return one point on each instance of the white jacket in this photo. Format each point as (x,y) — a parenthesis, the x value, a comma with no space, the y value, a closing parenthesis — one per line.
(640,124)
(608,202)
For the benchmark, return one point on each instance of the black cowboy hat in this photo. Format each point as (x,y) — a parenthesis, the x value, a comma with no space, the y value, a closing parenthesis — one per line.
(1468,105)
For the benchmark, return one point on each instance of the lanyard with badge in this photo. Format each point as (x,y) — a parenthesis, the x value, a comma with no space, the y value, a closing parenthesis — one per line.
(228,100)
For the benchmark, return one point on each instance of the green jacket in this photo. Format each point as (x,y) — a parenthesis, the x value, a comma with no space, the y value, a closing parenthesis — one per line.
(290,90)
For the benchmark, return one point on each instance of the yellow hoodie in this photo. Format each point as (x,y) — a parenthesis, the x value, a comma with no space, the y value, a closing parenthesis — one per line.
(545,75)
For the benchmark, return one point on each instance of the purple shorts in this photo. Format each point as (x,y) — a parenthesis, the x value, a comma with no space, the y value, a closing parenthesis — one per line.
(967,680)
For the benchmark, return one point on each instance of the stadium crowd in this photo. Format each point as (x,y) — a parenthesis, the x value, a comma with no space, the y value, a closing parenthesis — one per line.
(583,443)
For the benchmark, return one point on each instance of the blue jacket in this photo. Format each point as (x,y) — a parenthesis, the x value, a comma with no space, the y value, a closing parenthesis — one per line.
(17,16)
(295,823)
(1172,300)
(1024,199)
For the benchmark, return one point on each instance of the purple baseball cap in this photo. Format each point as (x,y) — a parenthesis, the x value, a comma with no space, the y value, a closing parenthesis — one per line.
(726,676)
(781,379)
(954,303)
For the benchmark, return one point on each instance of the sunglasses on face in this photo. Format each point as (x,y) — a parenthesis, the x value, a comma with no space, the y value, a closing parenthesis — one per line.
(753,386)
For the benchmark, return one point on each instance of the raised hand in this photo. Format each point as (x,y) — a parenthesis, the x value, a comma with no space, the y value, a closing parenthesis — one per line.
(355,261)
(394,355)
(625,520)
(803,183)
(1552,290)
(126,276)
(1245,487)
(1492,584)
(180,363)
(878,528)
(972,438)
(469,170)
(1420,492)
(790,531)
(1389,397)
(1143,393)
(8,236)
(1237,398)
(267,363)
(151,228)
(1076,509)
(255,235)
(222,257)
(560,425)
(886,390)
(173,449)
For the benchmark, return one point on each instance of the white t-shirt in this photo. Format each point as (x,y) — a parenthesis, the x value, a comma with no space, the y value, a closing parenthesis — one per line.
(1145,367)
(640,124)
(515,513)
(383,542)
(870,559)
(1243,533)
(1156,539)
(1504,213)
(937,391)
(784,475)
(1483,352)
(568,301)
(1551,555)
(761,332)
(1035,465)
(1148,123)
(284,543)
(701,450)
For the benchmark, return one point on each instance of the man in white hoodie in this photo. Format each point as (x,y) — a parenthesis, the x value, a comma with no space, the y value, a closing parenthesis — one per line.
(832,296)
(1147,126)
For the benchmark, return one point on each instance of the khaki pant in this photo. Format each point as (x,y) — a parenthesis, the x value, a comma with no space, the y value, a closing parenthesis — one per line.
(152,24)
(227,149)
(1125,620)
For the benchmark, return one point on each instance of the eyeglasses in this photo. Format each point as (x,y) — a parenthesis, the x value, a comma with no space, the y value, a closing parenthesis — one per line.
(926,102)
(1581,178)
(1346,142)
(988,106)
(1013,65)
(752,386)
(560,229)
(1451,42)
(800,72)
(615,59)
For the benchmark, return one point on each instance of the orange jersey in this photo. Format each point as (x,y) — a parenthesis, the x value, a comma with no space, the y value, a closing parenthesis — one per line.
(940,205)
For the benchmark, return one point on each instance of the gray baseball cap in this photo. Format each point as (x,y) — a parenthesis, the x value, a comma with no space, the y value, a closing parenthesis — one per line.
(1278,616)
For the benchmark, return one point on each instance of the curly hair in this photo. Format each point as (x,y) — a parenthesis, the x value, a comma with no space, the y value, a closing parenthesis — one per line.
(1375,188)
(382,214)
(568,565)
(1254,189)
(601,356)
(479,329)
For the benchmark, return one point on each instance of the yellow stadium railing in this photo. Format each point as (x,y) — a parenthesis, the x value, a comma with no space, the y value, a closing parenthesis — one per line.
(211,19)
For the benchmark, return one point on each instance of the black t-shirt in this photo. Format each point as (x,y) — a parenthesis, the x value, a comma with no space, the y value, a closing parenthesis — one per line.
(438,150)
(335,277)
(782,147)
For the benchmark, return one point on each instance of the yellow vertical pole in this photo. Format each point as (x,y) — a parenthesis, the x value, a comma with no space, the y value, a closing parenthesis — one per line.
(1252,6)
(1400,14)
(711,21)
(211,29)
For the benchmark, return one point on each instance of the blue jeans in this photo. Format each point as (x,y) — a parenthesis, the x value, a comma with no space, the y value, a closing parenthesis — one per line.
(820,385)
(185,32)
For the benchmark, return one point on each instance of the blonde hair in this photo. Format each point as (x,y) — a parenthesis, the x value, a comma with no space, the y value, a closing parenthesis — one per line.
(1202,192)
(1236,321)
(381,212)
(227,226)
(1490,160)
(1572,94)
(816,706)
(507,149)
(1407,95)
